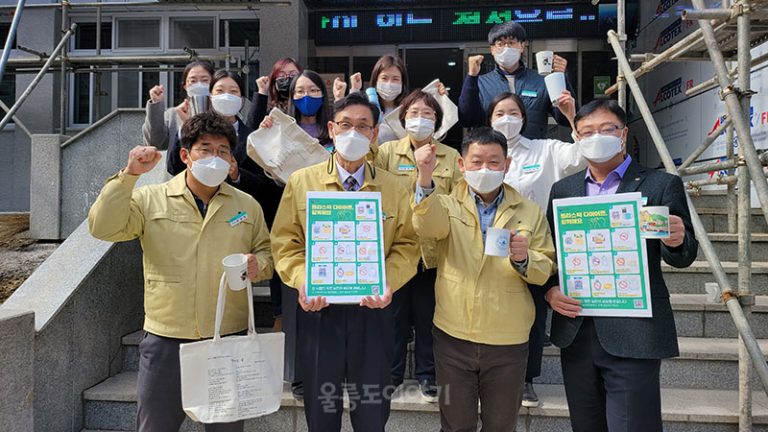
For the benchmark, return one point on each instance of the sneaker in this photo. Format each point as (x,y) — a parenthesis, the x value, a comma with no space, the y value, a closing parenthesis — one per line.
(297,389)
(428,390)
(530,398)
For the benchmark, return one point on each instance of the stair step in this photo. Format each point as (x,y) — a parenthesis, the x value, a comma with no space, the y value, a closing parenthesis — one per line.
(716,219)
(111,406)
(691,280)
(704,363)
(727,247)
(694,317)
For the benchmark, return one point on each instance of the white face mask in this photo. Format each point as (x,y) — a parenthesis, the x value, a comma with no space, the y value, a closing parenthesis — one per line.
(484,180)
(352,145)
(420,128)
(600,148)
(509,126)
(507,57)
(388,90)
(226,104)
(198,89)
(210,171)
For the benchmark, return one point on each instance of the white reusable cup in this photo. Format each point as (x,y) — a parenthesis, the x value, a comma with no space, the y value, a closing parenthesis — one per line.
(654,222)
(497,242)
(555,85)
(544,62)
(236,268)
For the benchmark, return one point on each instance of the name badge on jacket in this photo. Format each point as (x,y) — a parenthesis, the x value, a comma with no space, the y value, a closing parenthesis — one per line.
(529,93)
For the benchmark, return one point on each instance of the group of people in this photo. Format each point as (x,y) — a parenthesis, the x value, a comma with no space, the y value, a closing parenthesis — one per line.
(478,321)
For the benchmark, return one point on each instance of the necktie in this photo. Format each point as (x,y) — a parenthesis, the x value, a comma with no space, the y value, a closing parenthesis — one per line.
(350,184)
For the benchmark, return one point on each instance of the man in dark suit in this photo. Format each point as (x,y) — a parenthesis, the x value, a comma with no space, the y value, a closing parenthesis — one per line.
(611,365)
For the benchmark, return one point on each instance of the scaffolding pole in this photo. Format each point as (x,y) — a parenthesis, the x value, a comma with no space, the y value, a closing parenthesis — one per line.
(12,111)
(11,37)
(63,72)
(622,34)
(727,295)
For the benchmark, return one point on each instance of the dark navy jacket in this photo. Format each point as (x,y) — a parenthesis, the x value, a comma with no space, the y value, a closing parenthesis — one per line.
(478,93)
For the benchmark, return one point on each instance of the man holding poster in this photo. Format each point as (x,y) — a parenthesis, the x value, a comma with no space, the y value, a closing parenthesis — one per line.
(346,346)
(611,364)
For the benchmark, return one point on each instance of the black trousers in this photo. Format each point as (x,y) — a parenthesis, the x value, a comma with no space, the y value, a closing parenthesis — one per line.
(289,298)
(347,347)
(606,393)
(414,304)
(538,334)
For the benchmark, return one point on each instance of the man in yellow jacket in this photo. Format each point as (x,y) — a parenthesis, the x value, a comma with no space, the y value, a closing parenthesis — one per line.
(346,345)
(484,310)
(186,227)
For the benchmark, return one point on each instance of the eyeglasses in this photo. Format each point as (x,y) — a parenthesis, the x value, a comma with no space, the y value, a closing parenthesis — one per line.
(291,75)
(314,92)
(609,129)
(508,43)
(205,152)
(345,126)
(195,80)
(426,113)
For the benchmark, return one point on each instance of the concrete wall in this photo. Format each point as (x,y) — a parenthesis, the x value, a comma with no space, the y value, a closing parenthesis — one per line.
(88,159)
(283,34)
(39,113)
(17,337)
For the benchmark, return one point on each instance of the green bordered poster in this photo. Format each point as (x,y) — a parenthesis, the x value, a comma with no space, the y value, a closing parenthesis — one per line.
(602,257)
(345,246)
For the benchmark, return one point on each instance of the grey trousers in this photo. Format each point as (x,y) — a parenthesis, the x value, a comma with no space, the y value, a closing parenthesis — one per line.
(159,388)
(468,371)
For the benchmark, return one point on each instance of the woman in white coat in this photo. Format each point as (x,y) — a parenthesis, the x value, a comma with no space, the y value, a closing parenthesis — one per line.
(536,165)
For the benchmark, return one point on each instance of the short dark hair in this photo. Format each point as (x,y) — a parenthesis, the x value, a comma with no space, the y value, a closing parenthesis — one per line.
(207,123)
(429,100)
(509,29)
(609,105)
(483,135)
(356,99)
(516,99)
(322,115)
(386,62)
(223,73)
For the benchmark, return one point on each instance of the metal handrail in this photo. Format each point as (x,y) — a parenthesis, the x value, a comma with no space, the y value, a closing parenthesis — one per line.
(727,294)
(11,37)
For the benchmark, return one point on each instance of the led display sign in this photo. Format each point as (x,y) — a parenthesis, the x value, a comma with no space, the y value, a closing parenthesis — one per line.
(402,25)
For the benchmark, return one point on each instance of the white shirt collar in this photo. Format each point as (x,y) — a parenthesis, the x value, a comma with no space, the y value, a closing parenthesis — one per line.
(359,175)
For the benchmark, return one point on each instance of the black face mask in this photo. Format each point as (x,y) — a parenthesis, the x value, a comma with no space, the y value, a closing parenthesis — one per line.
(283,85)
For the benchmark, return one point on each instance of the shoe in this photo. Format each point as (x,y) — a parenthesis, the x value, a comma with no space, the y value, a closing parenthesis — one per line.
(428,390)
(297,389)
(530,398)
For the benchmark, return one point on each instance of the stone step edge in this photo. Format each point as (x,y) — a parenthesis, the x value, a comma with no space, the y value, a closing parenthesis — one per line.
(678,405)
(702,266)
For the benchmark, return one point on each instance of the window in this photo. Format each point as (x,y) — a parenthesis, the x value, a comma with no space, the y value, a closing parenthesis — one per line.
(84,94)
(85,36)
(4,29)
(191,33)
(133,87)
(138,33)
(7,92)
(239,32)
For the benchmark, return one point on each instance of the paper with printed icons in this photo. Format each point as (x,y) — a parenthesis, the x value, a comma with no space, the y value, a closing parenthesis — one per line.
(602,255)
(345,249)
(284,148)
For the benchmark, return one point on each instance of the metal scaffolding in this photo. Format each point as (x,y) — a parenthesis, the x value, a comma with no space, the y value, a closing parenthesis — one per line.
(724,34)
(43,63)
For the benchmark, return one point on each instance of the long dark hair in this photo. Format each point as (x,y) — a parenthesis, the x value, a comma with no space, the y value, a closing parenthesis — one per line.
(323,115)
(386,62)
(275,99)
(205,64)
(223,73)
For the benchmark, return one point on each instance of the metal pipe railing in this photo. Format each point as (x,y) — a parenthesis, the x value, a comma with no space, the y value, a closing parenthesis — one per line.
(727,295)
(736,111)
(708,167)
(705,145)
(11,112)
(11,36)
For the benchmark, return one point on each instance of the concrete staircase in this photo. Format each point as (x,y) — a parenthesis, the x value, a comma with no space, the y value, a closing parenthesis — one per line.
(699,388)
